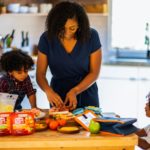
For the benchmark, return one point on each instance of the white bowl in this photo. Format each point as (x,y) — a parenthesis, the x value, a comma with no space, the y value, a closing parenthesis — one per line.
(33,9)
(13,7)
(45,8)
(49,7)
(24,9)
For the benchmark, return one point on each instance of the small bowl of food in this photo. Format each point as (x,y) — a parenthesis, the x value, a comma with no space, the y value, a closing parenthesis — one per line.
(41,125)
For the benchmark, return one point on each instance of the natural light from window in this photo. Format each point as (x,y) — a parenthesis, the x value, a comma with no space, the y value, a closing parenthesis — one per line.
(129,18)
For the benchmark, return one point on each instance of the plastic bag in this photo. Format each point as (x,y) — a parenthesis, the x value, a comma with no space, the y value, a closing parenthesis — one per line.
(5,124)
(22,123)
(7,102)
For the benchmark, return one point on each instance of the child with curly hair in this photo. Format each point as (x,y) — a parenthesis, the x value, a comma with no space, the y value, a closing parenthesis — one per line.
(16,64)
(144,133)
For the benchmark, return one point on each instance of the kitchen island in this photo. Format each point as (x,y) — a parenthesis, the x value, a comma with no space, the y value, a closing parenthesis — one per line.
(52,140)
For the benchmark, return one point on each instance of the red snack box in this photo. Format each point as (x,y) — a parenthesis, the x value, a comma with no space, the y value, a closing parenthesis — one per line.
(5,124)
(22,123)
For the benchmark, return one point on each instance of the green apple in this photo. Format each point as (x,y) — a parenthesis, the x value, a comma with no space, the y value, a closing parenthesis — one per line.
(94,127)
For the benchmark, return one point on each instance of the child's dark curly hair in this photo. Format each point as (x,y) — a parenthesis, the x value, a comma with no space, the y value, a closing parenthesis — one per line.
(63,11)
(15,60)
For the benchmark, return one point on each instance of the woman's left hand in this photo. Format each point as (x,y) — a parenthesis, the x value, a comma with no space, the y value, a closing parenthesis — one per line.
(71,99)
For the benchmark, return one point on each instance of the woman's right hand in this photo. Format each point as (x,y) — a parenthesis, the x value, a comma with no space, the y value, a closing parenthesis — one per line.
(54,98)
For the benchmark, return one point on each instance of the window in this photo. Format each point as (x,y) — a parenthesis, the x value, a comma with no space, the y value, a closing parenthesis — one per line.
(130,25)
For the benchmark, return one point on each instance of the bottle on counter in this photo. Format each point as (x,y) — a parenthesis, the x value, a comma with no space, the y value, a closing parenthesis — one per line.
(10,39)
(147,40)
(25,46)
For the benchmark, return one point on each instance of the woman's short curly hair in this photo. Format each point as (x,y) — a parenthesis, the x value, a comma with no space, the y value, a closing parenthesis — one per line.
(58,16)
(15,60)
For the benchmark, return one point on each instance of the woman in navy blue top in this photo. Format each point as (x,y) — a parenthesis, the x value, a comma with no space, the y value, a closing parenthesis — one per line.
(72,51)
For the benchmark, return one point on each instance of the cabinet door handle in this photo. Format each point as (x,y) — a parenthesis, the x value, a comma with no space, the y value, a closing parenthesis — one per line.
(132,79)
(144,79)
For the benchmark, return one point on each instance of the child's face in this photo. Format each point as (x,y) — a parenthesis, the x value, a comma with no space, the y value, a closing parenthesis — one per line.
(20,75)
(147,109)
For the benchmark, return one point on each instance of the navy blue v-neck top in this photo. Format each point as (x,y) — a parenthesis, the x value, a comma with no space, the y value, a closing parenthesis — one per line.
(68,69)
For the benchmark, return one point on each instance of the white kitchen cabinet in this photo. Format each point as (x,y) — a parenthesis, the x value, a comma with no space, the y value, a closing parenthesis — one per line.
(119,96)
(144,89)
(118,90)
(122,89)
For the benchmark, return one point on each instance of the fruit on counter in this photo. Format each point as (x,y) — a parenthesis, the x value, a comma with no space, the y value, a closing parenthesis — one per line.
(53,125)
(94,127)
(62,122)
(47,120)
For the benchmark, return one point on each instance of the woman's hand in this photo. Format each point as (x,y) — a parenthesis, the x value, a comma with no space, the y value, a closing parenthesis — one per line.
(71,99)
(54,98)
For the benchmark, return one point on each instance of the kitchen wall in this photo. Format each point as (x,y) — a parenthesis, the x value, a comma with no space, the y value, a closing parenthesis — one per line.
(35,25)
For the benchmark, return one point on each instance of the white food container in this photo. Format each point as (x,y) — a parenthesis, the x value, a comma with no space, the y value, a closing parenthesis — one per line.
(7,102)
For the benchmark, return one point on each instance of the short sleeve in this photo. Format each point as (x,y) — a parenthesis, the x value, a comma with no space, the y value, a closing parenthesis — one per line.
(4,86)
(147,129)
(43,43)
(147,139)
(95,41)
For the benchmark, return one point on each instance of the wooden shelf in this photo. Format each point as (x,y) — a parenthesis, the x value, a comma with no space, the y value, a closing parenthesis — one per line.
(44,14)
(24,14)
(97,14)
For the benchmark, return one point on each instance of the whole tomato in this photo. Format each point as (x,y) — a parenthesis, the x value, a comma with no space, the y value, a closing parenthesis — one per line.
(62,122)
(53,125)
(47,120)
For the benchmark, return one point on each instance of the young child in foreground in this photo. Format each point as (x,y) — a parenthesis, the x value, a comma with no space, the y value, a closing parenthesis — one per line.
(144,133)
(16,65)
